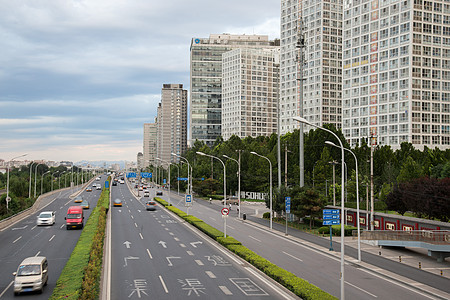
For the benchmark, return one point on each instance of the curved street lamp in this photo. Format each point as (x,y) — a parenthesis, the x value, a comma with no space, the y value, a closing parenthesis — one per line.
(164,161)
(52,178)
(303,120)
(29,184)
(189,168)
(239,182)
(42,180)
(270,179)
(357,196)
(35,178)
(7,180)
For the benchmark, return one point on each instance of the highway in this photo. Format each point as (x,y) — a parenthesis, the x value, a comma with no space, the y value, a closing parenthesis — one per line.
(156,255)
(322,268)
(25,239)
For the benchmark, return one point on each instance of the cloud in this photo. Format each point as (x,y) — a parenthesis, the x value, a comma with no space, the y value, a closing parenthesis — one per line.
(90,72)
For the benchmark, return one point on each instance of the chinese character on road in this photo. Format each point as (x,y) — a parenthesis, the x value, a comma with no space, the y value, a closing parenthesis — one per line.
(139,287)
(192,285)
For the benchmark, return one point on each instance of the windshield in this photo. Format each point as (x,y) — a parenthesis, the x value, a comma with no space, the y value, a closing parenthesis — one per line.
(73,216)
(46,215)
(29,270)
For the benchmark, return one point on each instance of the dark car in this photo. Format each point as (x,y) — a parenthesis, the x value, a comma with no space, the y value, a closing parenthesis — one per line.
(159,193)
(114,183)
(150,205)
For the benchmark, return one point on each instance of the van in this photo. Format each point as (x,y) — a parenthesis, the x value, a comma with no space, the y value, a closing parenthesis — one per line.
(31,275)
(74,218)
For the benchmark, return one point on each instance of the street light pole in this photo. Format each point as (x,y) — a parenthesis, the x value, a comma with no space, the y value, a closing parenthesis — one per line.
(239,181)
(169,176)
(29,188)
(52,178)
(357,197)
(42,180)
(35,177)
(7,181)
(189,168)
(303,120)
(270,179)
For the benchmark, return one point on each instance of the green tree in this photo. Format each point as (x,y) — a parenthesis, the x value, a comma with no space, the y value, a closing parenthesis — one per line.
(409,170)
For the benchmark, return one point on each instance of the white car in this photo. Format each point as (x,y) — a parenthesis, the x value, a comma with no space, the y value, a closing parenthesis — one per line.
(146,194)
(99,187)
(46,218)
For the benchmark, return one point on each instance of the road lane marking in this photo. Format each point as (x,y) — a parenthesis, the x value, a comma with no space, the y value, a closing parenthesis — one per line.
(33,227)
(199,262)
(4,291)
(212,218)
(141,236)
(163,284)
(61,226)
(254,238)
(362,290)
(135,225)
(51,238)
(17,239)
(182,245)
(149,254)
(210,274)
(132,216)
(37,254)
(167,229)
(171,233)
(225,290)
(190,253)
(292,256)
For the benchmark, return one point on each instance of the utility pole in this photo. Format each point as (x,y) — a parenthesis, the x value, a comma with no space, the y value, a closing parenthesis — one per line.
(371,183)
(285,165)
(334,163)
(300,61)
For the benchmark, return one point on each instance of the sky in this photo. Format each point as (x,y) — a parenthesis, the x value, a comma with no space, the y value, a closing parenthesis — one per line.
(78,79)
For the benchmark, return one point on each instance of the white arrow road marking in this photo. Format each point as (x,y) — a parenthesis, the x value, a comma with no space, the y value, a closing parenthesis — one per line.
(162,244)
(18,228)
(193,244)
(129,257)
(169,258)
(127,244)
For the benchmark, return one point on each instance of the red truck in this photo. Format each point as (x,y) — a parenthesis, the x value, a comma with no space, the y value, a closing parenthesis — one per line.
(74,218)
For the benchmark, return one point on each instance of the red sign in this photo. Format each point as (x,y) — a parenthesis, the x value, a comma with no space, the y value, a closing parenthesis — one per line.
(225,211)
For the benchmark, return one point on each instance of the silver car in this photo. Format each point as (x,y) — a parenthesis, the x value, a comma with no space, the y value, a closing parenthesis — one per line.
(46,218)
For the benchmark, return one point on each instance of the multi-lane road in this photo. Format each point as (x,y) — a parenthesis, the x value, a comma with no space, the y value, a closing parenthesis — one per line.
(25,239)
(155,255)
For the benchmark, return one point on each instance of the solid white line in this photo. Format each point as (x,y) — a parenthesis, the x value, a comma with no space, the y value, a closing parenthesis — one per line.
(230,227)
(37,254)
(51,238)
(212,218)
(4,291)
(254,238)
(141,236)
(17,239)
(362,290)
(163,284)
(225,290)
(210,274)
(292,256)
(149,254)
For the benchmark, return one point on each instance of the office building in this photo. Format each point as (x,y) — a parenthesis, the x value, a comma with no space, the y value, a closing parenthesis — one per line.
(250,92)
(171,122)
(205,110)
(150,140)
(396,71)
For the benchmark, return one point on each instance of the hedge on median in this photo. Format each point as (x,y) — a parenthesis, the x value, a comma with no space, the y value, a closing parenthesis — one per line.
(298,286)
(80,278)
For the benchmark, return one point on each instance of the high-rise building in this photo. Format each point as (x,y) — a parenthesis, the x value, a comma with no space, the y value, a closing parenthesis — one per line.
(396,72)
(205,109)
(150,140)
(250,79)
(172,122)
(316,25)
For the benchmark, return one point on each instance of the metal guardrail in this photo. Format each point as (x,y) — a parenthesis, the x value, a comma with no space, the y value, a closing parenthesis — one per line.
(436,237)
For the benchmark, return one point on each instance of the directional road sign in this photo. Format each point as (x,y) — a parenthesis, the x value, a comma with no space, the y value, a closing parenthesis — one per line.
(331,222)
(182,179)
(146,175)
(331,217)
(288,204)
(131,175)
(188,200)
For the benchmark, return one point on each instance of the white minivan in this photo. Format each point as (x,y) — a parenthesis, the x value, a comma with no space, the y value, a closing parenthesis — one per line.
(31,275)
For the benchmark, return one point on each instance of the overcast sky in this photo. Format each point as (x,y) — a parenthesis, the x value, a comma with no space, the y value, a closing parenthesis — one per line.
(78,79)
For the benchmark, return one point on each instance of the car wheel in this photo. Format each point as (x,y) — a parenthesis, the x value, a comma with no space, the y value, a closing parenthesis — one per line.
(67,227)
(16,293)
(46,282)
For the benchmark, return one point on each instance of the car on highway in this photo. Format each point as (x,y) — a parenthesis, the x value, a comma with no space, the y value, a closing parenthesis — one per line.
(88,189)
(150,205)
(147,194)
(159,193)
(117,202)
(75,217)
(85,204)
(46,218)
(31,275)
(232,200)
(78,199)
(99,187)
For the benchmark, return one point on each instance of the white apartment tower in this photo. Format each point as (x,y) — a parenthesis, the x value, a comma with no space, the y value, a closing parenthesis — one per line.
(205,110)
(172,122)
(319,24)
(396,72)
(149,149)
(250,92)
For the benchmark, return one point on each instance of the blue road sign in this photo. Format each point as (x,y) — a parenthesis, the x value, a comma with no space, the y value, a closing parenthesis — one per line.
(331,222)
(146,175)
(182,179)
(188,200)
(331,211)
(288,204)
(164,181)
(106,184)
(131,175)
(331,217)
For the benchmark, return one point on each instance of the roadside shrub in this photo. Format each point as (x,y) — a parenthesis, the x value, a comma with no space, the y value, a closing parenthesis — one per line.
(266,215)
(336,230)
(229,240)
